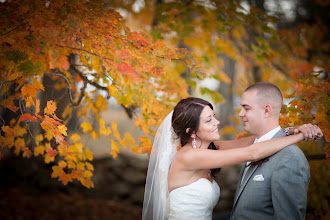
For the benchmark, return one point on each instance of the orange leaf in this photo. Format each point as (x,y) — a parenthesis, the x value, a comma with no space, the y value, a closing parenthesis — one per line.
(57,171)
(8,130)
(51,107)
(37,106)
(51,152)
(26,117)
(12,108)
(37,84)
(127,70)
(29,90)
(124,54)
(64,63)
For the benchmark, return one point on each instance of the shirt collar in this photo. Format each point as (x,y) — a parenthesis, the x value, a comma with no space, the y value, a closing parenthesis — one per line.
(268,135)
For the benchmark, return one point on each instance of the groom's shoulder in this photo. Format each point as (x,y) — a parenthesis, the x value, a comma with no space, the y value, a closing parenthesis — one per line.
(291,152)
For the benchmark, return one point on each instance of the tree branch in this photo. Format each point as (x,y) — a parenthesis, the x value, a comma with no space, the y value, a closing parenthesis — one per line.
(82,90)
(13,29)
(316,157)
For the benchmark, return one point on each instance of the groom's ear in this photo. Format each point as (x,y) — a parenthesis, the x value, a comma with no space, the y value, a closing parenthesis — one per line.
(268,110)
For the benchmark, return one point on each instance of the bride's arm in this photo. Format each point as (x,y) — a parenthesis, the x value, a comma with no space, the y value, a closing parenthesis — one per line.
(208,159)
(308,130)
(242,142)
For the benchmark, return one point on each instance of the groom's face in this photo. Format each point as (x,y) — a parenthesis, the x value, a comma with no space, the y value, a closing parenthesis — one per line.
(252,113)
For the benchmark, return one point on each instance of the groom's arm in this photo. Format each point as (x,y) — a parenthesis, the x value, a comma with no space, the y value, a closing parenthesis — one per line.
(289,185)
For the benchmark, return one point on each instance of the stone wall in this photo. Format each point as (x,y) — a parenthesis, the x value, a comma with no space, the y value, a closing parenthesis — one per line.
(121,179)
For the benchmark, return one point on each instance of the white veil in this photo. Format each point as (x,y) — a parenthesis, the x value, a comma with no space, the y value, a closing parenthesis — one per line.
(156,204)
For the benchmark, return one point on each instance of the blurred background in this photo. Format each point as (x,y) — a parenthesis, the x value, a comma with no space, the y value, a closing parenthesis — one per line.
(228,45)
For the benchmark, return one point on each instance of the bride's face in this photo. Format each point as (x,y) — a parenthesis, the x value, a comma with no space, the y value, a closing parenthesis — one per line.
(208,126)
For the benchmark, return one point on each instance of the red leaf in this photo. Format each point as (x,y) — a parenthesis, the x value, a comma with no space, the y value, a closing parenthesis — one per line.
(126,69)
(26,117)
(24,148)
(64,62)
(51,152)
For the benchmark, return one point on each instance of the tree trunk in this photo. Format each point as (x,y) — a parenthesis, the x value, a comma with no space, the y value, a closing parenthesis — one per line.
(226,110)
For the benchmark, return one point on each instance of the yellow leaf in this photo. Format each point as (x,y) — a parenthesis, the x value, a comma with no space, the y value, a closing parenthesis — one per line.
(127,140)
(115,131)
(49,134)
(145,144)
(80,166)
(39,150)
(49,159)
(71,164)
(67,111)
(62,164)
(89,166)
(62,129)
(26,154)
(29,101)
(88,155)
(105,131)
(8,130)
(94,135)
(78,148)
(39,137)
(19,131)
(57,171)
(75,137)
(101,103)
(87,183)
(156,109)
(112,90)
(88,174)
(114,149)
(86,126)
(19,142)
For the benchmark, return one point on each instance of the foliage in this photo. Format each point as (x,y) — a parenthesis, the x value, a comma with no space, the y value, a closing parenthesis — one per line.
(80,43)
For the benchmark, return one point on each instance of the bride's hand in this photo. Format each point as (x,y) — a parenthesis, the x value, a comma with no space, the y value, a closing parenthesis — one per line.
(310,132)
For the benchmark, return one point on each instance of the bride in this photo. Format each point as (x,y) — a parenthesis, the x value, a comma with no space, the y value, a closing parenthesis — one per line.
(180,184)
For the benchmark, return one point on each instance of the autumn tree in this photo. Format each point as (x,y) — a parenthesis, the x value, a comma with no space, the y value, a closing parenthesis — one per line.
(79,44)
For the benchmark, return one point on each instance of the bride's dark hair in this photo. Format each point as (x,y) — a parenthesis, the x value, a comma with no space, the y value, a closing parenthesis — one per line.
(186,114)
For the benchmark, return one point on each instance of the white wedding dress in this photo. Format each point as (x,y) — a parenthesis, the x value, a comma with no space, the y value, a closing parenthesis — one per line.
(194,201)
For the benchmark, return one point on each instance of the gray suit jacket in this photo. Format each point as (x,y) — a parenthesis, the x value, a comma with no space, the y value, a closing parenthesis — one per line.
(275,190)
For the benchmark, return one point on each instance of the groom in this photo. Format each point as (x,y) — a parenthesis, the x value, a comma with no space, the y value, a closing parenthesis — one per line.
(276,187)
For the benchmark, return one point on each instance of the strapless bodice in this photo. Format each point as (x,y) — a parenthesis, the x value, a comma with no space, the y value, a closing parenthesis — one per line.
(194,201)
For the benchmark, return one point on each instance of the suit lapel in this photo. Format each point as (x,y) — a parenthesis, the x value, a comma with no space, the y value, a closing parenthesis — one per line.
(246,179)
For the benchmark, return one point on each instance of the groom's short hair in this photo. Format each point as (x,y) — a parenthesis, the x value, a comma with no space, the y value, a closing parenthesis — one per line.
(269,93)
